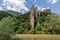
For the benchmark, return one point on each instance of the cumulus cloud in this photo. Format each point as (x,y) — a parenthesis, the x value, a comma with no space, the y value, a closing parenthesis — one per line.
(1,8)
(52,1)
(38,7)
(15,5)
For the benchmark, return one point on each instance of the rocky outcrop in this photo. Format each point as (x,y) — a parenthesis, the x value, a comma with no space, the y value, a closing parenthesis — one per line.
(34,15)
(46,10)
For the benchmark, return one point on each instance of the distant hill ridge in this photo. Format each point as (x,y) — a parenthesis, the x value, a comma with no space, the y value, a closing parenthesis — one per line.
(13,12)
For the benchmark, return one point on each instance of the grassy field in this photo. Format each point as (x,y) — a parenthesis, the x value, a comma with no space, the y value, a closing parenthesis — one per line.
(36,37)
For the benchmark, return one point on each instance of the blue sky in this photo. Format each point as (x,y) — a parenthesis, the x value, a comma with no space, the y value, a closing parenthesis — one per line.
(25,5)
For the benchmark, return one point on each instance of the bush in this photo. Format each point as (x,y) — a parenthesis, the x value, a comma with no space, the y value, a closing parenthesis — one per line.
(16,39)
(7,27)
(23,28)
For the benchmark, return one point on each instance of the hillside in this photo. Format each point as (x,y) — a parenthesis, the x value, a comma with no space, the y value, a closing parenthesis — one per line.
(22,23)
(4,14)
(13,12)
(49,23)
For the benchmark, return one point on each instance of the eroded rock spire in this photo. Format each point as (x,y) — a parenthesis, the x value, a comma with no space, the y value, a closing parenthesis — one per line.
(34,15)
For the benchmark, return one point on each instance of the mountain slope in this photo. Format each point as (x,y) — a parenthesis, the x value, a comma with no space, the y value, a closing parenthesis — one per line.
(13,13)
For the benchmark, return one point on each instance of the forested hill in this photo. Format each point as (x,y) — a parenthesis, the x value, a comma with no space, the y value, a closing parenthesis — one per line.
(24,16)
(13,12)
(4,14)
(49,23)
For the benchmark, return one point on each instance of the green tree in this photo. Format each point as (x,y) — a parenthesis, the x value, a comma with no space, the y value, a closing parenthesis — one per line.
(4,14)
(7,27)
(52,24)
(24,27)
(49,24)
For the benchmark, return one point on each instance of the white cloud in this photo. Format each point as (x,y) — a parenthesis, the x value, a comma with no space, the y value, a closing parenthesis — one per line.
(15,5)
(26,9)
(44,8)
(38,7)
(52,1)
(1,8)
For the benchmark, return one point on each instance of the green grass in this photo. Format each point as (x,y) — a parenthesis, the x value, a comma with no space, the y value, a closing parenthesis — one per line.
(36,37)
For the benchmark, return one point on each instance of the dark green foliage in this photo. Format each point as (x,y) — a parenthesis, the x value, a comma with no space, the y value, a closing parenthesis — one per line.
(42,17)
(16,39)
(24,17)
(24,27)
(4,14)
(23,23)
(14,13)
(7,27)
(48,23)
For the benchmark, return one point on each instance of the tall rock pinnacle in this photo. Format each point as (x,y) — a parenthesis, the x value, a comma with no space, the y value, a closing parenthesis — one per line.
(34,15)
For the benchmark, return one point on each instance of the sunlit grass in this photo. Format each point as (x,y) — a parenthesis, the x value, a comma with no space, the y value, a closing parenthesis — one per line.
(37,37)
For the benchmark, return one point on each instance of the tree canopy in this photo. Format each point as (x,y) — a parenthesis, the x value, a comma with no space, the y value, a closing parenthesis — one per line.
(49,23)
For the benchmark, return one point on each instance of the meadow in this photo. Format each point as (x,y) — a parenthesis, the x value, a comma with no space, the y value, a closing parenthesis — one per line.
(36,37)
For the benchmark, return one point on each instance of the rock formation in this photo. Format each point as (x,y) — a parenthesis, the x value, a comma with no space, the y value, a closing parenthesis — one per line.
(32,17)
(46,10)
(34,14)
